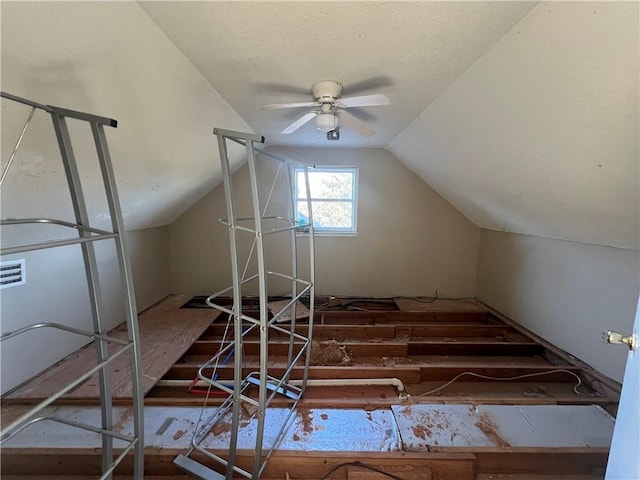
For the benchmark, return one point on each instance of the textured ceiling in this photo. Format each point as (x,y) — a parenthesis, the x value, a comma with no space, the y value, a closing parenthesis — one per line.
(252,51)
(541,135)
(524,116)
(110,59)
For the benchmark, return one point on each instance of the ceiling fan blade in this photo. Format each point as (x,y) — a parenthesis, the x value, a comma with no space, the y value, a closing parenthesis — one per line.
(375,83)
(356,124)
(364,101)
(289,105)
(282,88)
(363,113)
(298,123)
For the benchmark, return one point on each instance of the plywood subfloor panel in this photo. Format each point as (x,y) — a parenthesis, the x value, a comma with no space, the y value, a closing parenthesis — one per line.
(166,332)
(301,310)
(406,304)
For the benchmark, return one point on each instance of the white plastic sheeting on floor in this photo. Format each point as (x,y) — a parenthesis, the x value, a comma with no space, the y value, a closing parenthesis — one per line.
(448,427)
(308,429)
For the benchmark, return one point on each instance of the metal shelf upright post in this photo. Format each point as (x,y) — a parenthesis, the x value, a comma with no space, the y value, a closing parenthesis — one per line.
(85,236)
(259,226)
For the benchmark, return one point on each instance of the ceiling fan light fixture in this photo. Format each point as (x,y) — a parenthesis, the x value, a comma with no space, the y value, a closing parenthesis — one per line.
(326,122)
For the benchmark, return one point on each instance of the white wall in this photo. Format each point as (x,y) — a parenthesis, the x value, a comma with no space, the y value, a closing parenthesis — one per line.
(410,241)
(149,256)
(111,59)
(566,292)
(56,291)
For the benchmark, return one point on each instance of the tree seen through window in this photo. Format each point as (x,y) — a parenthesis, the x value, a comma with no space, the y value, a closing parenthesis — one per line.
(333,198)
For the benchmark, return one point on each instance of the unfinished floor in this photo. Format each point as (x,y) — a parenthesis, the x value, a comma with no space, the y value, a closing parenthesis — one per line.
(553,420)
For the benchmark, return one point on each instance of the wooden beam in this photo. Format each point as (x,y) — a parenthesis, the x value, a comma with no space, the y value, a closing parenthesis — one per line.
(389,331)
(379,317)
(279,348)
(457,329)
(414,304)
(532,390)
(297,464)
(466,346)
(313,465)
(447,372)
(337,332)
(589,461)
(406,373)
(367,398)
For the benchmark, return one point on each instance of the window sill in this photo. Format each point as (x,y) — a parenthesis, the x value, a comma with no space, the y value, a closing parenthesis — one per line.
(328,234)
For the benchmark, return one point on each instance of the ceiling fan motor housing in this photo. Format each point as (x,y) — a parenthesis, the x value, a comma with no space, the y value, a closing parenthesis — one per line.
(326,91)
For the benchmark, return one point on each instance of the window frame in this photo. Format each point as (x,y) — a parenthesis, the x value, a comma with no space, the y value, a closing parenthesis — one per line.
(328,231)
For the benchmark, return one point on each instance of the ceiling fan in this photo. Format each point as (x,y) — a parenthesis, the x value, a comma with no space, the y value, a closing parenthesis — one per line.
(329,108)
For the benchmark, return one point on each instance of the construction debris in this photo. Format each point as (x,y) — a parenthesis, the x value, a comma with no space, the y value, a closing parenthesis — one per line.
(329,353)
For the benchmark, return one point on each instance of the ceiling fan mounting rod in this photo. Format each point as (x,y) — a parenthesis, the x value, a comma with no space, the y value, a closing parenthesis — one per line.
(327,108)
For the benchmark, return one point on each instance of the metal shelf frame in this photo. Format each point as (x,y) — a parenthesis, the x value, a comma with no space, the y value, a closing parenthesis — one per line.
(243,390)
(83,234)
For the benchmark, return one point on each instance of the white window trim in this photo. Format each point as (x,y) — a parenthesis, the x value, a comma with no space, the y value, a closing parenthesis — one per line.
(332,233)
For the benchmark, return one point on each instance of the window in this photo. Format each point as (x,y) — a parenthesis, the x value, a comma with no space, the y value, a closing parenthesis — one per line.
(333,198)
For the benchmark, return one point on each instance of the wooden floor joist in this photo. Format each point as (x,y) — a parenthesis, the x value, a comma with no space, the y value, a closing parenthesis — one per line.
(431,349)
(298,465)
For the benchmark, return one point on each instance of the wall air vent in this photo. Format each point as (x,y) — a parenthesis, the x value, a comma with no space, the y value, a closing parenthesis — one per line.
(12,273)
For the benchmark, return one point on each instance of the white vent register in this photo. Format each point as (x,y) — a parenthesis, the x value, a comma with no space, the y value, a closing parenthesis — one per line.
(12,273)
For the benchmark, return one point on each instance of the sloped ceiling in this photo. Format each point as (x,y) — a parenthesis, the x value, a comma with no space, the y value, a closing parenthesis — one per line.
(540,136)
(257,53)
(523,115)
(109,59)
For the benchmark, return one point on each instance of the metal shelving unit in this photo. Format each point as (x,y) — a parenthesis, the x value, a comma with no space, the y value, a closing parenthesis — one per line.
(257,389)
(85,236)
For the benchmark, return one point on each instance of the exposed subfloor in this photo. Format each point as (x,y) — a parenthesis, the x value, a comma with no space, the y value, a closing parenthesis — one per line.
(448,415)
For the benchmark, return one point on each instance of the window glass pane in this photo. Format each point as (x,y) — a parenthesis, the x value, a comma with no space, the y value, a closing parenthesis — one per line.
(333,192)
(302,212)
(327,214)
(331,184)
(301,186)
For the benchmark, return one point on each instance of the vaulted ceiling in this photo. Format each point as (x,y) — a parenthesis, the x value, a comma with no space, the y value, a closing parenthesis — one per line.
(523,115)
(257,53)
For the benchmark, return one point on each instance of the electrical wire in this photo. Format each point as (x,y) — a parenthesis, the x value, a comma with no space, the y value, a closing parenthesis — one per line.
(17,146)
(264,212)
(227,329)
(422,300)
(193,388)
(363,465)
(518,377)
(348,303)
